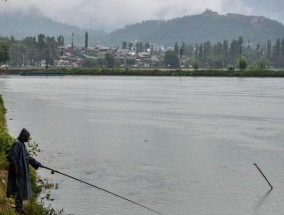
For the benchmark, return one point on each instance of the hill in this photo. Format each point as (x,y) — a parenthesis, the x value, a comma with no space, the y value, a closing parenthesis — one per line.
(23,25)
(208,26)
(200,28)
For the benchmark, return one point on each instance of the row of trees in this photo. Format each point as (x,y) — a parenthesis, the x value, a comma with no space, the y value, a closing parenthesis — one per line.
(225,54)
(30,50)
(4,51)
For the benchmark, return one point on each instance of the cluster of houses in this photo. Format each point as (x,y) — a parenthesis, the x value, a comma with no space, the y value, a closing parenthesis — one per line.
(75,57)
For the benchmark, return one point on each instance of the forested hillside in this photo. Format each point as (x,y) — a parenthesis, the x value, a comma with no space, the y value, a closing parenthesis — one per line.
(21,26)
(209,26)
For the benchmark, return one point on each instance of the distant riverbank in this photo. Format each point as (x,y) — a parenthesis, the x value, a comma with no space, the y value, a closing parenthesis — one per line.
(144,72)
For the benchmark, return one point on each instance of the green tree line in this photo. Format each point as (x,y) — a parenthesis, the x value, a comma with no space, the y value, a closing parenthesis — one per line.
(225,54)
(234,54)
(31,50)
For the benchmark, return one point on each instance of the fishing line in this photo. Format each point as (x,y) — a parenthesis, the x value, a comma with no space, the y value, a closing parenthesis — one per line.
(99,188)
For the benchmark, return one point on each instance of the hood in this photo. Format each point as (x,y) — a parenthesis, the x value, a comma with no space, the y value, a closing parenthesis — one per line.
(24,135)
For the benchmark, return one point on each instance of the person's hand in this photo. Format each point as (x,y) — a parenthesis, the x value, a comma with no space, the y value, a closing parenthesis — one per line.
(39,164)
(14,169)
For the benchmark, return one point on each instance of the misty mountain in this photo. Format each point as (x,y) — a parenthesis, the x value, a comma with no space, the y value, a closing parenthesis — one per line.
(208,26)
(23,25)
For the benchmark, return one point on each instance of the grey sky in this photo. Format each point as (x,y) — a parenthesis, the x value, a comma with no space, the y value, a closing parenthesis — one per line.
(113,14)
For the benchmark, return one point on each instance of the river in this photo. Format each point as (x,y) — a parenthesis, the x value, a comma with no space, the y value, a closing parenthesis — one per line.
(178,145)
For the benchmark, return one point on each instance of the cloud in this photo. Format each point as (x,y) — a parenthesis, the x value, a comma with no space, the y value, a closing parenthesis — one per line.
(113,14)
(273,9)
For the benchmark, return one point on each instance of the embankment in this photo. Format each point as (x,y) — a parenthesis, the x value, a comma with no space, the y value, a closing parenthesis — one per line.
(145,72)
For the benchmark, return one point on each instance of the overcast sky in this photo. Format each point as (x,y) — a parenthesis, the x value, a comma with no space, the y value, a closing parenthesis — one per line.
(112,14)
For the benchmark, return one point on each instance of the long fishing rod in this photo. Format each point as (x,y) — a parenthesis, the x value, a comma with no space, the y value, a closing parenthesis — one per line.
(99,188)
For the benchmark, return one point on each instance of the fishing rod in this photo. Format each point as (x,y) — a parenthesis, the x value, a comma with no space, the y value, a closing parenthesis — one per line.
(99,188)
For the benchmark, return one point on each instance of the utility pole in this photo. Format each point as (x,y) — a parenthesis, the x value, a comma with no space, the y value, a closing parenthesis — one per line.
(46,59)
(86,39)
(180,57)
(72,45)
(240,57)
(23,55)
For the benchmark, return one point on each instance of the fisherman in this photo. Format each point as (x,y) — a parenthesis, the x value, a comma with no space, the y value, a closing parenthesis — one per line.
(19,182)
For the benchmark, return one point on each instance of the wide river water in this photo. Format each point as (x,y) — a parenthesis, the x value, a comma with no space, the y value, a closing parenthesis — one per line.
(179,145)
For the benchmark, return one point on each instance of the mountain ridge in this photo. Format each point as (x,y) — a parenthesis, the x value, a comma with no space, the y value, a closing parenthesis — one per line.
(203,27)
(207,26)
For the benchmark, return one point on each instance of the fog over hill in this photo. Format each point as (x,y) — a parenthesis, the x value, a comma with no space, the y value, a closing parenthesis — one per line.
(190,29)
(23,25)
(208,26)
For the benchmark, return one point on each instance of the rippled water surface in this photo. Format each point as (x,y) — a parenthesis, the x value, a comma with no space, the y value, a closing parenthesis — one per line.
(178,145)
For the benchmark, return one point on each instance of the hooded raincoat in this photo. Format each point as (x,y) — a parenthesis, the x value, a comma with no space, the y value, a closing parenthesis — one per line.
(18,155)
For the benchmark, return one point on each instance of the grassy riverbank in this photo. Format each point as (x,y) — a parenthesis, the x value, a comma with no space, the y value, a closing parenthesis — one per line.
(147,72)
(5,141)
(32,207)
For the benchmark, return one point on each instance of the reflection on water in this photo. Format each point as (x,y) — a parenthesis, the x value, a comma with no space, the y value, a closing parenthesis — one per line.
(177,145)
(261,202)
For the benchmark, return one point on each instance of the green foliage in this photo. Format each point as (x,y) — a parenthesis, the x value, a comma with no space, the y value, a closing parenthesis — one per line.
(4,51)
(231,69)
(31,50)
(109,60)
(32,148)
(195,64)
(261,64)
(5,139)
(171,59)
(89,63)
(208,24)
(243,63)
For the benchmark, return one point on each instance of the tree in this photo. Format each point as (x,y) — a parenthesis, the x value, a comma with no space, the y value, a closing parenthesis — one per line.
(89,63)
(171,59)
(261,64)
(147,46)
(4,52)
(195,64)
(41,41)
(130,45)
(240,41)
(60,40)
(225,52)
(124,44)
(51,47)
(282,52)
(109,59)
(243,63)
(269,50)
(218,55)
(276,53)
(201,53)
(196,50)
(176,48)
